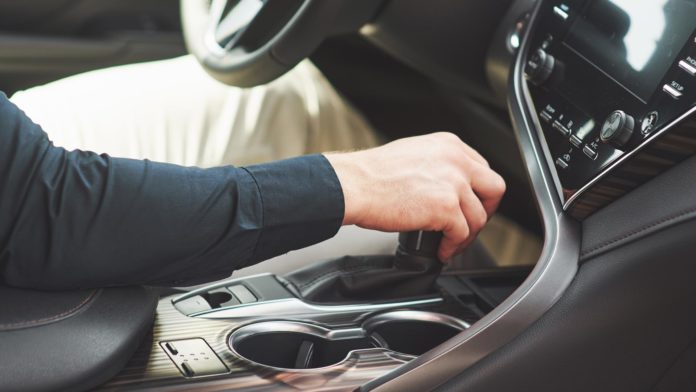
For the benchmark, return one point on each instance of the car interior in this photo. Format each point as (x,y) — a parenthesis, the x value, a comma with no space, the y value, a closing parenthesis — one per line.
(583,106)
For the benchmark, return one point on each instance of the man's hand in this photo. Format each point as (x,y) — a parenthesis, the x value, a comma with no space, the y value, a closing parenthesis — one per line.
(433,182)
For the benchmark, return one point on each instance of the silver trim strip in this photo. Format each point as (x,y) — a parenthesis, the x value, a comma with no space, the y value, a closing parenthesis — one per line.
(546,283)
(214,285)
(414,315)
(296,308)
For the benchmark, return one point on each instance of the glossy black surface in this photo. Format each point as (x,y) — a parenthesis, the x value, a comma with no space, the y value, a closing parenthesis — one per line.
(590,81)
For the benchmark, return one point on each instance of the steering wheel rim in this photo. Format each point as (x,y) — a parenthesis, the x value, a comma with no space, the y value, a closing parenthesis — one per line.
(246,43)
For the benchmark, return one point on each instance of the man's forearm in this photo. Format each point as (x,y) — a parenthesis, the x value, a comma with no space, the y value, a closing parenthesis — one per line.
(77,219)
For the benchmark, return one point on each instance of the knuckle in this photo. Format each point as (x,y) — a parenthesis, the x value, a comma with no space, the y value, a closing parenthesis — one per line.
(484,161)
(448,137)
(478,221)
(465,233)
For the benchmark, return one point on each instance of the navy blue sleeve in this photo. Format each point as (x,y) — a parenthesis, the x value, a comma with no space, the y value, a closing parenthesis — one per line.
(74,219)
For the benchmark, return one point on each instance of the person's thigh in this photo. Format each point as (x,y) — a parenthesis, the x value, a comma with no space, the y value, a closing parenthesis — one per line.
(172,111)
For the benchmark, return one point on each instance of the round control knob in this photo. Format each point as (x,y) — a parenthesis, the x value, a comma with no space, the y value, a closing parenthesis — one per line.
(539,67)
(617,129)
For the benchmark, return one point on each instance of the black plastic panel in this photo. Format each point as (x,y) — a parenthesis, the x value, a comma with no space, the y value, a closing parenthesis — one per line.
(446,40)
(574,103)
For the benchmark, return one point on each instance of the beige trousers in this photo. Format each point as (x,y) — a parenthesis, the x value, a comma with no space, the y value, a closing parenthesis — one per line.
(172,111)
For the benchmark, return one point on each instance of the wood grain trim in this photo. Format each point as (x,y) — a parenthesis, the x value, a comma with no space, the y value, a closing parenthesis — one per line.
(151,368)
(665,151)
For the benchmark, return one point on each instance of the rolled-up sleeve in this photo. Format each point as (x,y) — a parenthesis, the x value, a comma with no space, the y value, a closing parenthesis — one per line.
(72,219)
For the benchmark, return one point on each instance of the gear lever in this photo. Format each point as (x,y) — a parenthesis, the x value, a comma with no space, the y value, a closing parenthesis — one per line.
(420,244)
(411,272)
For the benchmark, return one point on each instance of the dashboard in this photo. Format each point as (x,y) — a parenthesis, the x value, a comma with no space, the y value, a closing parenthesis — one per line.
(612,83)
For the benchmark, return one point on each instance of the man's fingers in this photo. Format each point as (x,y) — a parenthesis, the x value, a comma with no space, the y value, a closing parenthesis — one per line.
(468,223)
(457,232)
(489,186)
(473,209)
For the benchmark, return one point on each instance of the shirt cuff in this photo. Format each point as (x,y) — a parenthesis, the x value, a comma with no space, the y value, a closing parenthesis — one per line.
(302,204)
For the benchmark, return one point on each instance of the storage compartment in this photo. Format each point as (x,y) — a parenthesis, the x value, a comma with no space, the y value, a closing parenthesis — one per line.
(297,345)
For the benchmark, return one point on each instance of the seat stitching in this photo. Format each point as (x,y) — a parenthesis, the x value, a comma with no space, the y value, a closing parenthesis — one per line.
(668,219)
(46,320)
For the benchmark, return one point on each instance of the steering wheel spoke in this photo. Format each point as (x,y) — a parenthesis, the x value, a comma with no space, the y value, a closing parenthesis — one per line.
(250,42)
(229,20)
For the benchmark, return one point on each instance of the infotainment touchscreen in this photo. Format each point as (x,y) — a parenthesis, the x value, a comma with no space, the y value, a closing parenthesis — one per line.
(633,41)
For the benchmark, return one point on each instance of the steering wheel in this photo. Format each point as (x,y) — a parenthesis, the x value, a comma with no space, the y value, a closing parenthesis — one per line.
(246,43)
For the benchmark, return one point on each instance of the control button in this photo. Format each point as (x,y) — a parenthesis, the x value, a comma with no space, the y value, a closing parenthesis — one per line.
(592,154)
(547,42)
(688,65)
(171,348)
(192,305)
(561,11)
(617,129)
(674,89)
(545,116)
(561,163)
(574,140)
(242,293)
(649,122)
(539,67)
(561,128)
(186,369)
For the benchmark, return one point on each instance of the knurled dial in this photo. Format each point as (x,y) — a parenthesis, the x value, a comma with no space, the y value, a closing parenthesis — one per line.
(617,129)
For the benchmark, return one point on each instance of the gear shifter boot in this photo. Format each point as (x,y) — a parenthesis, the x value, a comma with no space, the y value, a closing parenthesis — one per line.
(410,273)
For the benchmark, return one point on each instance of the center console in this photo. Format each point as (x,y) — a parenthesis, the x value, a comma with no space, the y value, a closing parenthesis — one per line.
(613,84)
(267,332)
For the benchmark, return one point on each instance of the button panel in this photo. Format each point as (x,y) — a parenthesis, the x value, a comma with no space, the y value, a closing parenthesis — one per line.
(573,106)
(194,357)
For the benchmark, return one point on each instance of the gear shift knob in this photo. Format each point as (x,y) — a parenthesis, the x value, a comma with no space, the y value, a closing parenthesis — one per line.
(420,243)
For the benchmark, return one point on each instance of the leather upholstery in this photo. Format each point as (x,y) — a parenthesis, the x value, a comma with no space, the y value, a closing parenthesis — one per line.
(54,341)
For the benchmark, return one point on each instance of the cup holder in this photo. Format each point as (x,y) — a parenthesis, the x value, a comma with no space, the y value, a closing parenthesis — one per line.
(412,332)
(297,345)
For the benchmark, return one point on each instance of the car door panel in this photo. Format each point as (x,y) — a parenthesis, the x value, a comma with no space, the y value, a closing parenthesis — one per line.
(42,40)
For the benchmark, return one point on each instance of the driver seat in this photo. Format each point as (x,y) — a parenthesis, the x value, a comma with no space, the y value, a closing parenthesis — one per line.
(73,340)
